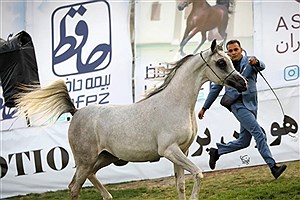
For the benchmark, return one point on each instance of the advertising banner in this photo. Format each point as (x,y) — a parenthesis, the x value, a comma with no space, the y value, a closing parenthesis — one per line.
(277,40)
(85,43)
(39,159)
(165,42)
(88,45)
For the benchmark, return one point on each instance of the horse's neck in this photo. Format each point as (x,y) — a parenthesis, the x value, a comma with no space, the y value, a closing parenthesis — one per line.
(184,87)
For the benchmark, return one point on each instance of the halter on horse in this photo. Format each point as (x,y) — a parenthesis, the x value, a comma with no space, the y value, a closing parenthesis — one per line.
(203,18)
(157,126)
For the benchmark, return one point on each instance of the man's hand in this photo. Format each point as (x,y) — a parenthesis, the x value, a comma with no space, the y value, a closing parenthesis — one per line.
(201,113)
(253,61)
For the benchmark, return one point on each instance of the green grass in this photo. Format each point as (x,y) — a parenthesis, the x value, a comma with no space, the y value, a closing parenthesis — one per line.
(252,183)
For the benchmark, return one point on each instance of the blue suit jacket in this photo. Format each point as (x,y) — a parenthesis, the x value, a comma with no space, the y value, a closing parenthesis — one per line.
(249,96)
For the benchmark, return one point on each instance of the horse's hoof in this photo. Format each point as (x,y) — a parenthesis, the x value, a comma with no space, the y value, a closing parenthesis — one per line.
(200,175)
(183,54)
(178,56)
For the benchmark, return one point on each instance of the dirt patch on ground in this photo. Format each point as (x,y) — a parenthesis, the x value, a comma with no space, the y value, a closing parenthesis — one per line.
(170,181)
(159,182)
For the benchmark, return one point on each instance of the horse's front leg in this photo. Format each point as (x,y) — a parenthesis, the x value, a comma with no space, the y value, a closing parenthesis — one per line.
(188,34)
(182,44)
(224,40)
(180,181)
(183,41)
(175,155)
(203,39)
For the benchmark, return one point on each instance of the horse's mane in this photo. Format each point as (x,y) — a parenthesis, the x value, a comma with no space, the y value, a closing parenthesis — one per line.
(168,77)
(230,4)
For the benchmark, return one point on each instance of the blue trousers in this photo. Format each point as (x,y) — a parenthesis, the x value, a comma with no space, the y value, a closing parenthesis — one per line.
(248,127)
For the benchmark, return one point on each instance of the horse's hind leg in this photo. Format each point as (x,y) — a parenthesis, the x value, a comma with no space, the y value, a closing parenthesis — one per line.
(105,194)
(81,174)
(104,159)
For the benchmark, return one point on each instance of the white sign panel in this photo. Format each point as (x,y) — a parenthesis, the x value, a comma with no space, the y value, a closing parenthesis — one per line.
(42,159)
(87,44)
(277,40)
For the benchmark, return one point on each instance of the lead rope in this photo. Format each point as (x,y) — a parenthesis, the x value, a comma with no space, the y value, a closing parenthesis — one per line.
(287,120)
(279,102)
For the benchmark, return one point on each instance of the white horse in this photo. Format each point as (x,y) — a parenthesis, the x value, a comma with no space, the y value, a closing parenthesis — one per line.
(163,124)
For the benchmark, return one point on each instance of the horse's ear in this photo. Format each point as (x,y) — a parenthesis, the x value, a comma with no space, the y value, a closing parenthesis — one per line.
(221,45)
(213,45)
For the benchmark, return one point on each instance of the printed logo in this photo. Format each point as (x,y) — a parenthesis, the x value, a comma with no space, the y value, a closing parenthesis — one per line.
(5,112)
(291,72)
(81,38)
(245,159)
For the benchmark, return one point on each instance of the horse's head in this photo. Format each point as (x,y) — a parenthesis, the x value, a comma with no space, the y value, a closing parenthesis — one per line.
(220,69)
(182,4)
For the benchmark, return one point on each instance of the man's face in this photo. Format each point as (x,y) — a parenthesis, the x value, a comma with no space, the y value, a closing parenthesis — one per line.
(234,51)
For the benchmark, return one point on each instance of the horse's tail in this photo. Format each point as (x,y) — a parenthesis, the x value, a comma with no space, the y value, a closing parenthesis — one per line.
(50,101)
(229,4)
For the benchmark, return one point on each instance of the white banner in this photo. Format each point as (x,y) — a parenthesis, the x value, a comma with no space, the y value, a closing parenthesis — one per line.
(87,44)
(39,159)
(277,40)
(65,35)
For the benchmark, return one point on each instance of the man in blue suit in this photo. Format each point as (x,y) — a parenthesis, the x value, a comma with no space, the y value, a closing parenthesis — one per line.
(244,107)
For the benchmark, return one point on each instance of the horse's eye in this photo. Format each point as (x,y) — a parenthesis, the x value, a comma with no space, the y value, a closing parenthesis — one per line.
(221,63)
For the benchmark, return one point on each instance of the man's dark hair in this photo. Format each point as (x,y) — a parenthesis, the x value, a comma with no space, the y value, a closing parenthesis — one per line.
(232,42)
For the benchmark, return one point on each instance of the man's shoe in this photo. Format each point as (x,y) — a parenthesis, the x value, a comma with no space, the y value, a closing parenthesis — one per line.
(213,157)
(277,170)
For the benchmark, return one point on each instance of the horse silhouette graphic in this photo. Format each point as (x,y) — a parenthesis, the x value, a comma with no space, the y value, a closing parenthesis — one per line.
(81,40)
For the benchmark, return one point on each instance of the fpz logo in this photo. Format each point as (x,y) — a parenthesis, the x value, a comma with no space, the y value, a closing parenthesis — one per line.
(291,72)
(81,38)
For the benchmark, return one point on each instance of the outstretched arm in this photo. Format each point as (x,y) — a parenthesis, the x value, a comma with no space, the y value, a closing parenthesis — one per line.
(255,65)
(212,96)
